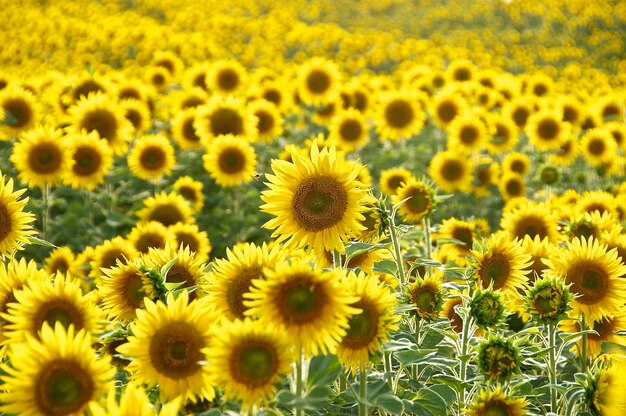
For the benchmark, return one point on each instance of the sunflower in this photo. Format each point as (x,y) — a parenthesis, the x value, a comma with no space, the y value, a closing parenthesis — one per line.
(92,160)
(133,401)
(15,223)
(532,219)
(591,225)
(419,200)
(225,77)
(607,397)
(539,249)
(503,265)
(232,277)
(487,173)
(18,110)
(146,235)
(512,186)
(392,179)
(166,208)
(348,130)
(168,60)
(191,190)
(106,255)
(618,131)
(467,133)
(594,273)
(449,312)
(276,92)
(600,201)
(606,331)
(400,115)
(269,122)
(187,269)
(488,308)
(546,131)
(548,300)
(137,113)
(158,77)
(316,200)
(230,161)
(363,261)
(516,162)
(61,260)
(609,108)
(460,70)
(598,146)
(167,346)
(100,114)
(47,301)
(41,157)
(248,360)
(446,106)
(496,402)
(123,289)
(151,157)
(312,306)
(498,358)
(426,295)
(368,330)
(184,130)
(189,235)
(58,376)
(567,153)
(519,110)
(318,82)
(464,232)
(451,171)
(224,116)
(15,276)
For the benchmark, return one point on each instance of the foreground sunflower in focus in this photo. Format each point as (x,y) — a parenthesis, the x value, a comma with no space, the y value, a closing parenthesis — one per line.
(316,200)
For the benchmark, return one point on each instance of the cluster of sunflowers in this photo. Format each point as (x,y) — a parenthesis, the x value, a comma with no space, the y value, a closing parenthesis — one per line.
(288,208)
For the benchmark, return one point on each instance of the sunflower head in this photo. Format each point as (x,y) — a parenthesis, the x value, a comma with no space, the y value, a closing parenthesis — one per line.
(318,82)
(151,157)
(392,179)
(419,199)
(548,301)
(230,161)
(496,402)
(498,358)
(487,307)
(451,171)
(426,295)
(15,223)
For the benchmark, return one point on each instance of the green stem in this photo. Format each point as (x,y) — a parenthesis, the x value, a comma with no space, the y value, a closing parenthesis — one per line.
(552,367)
(583,354)
(395,241)
(299,383)
(45,216)
(363,390)
(336,260)
(464,346)
(427,238)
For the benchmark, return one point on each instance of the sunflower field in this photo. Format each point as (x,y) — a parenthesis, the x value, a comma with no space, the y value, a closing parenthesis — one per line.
(313,207)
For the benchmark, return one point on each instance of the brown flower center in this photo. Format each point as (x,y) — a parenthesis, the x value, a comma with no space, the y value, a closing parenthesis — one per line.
(62,387)
(319,203)
(175,350)
(399,114)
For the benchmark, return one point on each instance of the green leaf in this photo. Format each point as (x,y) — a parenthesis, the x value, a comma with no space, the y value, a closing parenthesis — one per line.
(389,403)
(613,348)
(426,402)
(166,267)
(39,242)
(386,266)
(356,248)
(414,356)
(323,370)
(454,383)
(426,262)
(567,336)
(448,394)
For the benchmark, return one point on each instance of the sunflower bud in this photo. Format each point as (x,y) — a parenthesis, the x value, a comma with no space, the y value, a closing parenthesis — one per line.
(498,358)
(548,300)
(487,308)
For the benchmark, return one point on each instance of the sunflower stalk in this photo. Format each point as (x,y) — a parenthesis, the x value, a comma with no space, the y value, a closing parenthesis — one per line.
(583,341)
(552,366)
(299,382)
(45,216)
(363,390)
(395,241)
(467,323)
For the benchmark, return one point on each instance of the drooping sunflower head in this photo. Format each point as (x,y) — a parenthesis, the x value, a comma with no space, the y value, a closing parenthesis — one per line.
(226,77)
(498,358)
(168,209)
(92,160)
(232,277)
(368,330)
(419,197)
(191,190)
(168,345)
(502,265)
(59,375)
(99,113)
(318,82)
(123,289)
(47,302)
(374,221)
(426,295)
(224,116)
(313,306)
(548,300)
(15,223)
(249,359)
(488,308)
(496,402)
(230,161)
(18,110)
(451,171)
(400,115)
(316,200)
(595,275)
(151,157)
(41,157)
